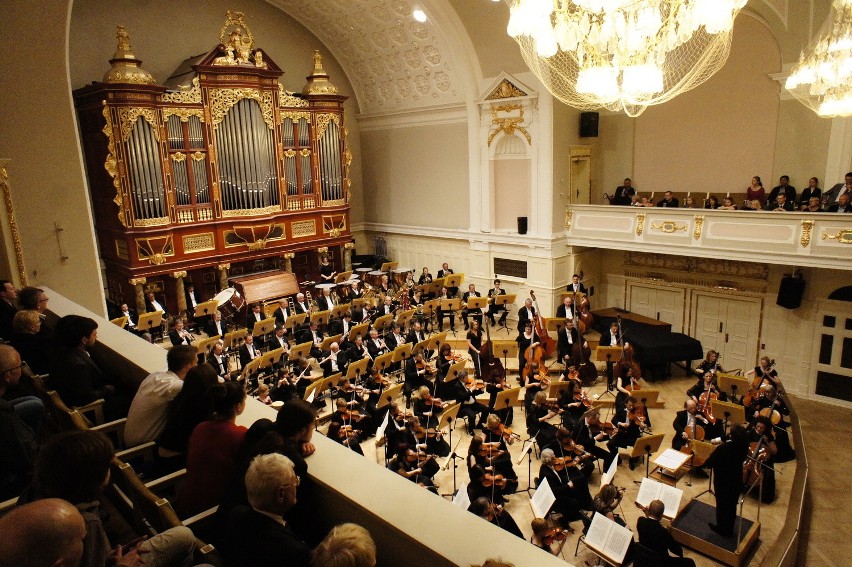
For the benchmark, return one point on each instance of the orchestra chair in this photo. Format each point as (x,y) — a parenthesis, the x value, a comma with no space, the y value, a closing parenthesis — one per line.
(586,518)
(646,557)
(150,514)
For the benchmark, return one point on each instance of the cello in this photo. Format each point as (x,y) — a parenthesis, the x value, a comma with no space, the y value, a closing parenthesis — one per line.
(586,371)
(547,342)
(490,367)
(627,355)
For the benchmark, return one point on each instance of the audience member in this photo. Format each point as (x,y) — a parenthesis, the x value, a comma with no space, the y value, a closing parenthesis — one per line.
(624,193)
(728,205)
(258,534)
(841,206)
(784,188)
(8,307)
(34,346)
(809,192)
(32,298)
(668,200)
(756,192)
(212,451)
(149,409)
(781,203)
(712,202)
(17,436)
(814,205)
(45,533)
(74,466)
(845,188)
(346,545)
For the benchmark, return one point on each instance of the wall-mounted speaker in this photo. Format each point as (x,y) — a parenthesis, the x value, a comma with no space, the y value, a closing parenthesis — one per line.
(522,225)
(790,292)
(589,124)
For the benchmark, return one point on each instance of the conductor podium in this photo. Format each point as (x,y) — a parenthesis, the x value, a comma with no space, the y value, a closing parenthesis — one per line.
(691,529)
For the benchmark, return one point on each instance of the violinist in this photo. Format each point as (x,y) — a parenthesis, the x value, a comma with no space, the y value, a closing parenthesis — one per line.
(689,424)
(345,427)
(397,432)
(592,431)
(628,425)
(493,308)
(374,385)
(485,481)
(760,433)
(538,381)
(417,467)
(526,340)
(545,536)
(607,500)
(655,537)
(284,387)
(451,390)
(427,408)
(498,437)
(771,405)
(575,453)
(572,493)
(727,465)
(417,375)
(574,403)
(495,384)
(538,417)
(495,514)
(441,314)
(475,313)
(474,344)
(470,407)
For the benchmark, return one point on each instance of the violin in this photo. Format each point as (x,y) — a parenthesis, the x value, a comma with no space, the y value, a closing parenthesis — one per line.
(553,535)
(490,451)
(434,402)
(494,480)
(602,427)
(423,365)
(504,432)
(421,433)
(474,384)
(580,396)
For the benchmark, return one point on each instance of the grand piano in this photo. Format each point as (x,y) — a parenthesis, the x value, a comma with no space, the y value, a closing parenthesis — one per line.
(654,343)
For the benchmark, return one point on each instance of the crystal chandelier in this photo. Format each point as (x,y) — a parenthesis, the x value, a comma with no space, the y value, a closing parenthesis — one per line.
(624,55)
(822,79)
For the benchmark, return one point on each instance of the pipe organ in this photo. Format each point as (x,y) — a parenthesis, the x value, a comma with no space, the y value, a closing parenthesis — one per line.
(226,169)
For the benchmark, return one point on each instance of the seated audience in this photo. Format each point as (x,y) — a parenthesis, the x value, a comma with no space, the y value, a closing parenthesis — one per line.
(728,205)
(149,408)
(841,206)
(712,202)
(18,445)
(668,200)
(809,192)
(44,533)
(32,298)
(8,307)
(813,205)
(212,451)
(35,347)
(257,534)
(346,545)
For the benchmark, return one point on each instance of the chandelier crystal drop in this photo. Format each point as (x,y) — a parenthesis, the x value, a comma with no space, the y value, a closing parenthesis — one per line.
(624,55)
(822,79)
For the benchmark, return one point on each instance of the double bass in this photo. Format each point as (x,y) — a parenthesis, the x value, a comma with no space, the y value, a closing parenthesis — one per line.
(580,352)
(627,360)
(490,368)
(547,342)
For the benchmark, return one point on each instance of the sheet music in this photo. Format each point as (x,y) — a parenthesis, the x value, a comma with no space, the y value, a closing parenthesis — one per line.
(608,538)
(542,499)
(668,495)
(380,431)
(671,459)
(607,477)
(461,499)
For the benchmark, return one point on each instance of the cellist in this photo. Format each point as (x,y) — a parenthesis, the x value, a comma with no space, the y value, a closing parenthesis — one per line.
(526,340)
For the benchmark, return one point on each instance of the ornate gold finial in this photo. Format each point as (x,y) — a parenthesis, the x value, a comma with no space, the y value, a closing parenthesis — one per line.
(318,83)
(125,67)
(238,43)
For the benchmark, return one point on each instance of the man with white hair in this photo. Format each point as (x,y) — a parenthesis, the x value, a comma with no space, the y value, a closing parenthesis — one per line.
(258,532)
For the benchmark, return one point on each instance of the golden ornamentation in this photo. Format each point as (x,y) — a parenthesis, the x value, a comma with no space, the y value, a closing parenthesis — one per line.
(238,49)
(251,212)
(155,249)
(222,100)
(178,157)
(296,115)
(199,242)
(124,65)
(333,225)
(349,246)
(177,275)
(318,83)
(505,90)
(322,250)
(224,266)
(842,236)
(186,96)
(289,153)
(668,226)
(508,124)
(137,281)
(713,266)
(286,99)
(699,225)
(288,255)
(127,118)
(303,228)
(569,219)
(13,224)
(322,123)
(304,152)
(334,203)
(159,221)
(198,156)
(254,236)
(640,223)
(807,227)
(121,249)
(183,113)
(111,165)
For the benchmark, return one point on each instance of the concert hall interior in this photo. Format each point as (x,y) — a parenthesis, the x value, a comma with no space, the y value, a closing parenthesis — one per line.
(449,151)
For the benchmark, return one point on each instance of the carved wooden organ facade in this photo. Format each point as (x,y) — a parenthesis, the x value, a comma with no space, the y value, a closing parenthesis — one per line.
(229,175)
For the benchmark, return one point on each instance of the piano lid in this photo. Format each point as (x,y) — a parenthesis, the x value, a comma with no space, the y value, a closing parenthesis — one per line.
(266,286)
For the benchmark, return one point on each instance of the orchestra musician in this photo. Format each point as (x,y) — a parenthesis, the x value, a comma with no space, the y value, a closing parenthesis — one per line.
(248,351)
(686,423)
(573,404)
(281,314)
(417,375)
(152,305)
(498,438)
(613,337)
(425,277)
(493,308)
(576,285)
(657,538)
(495,514)
(709,364)
(475,313)
(537,383)
(564,446)
(254,316)
(179,335)
(219,361)
(566,338)
(628,426)
(314,336)
(761,432)
(444,272)
(592,431)
(566,310)
(607,501)
(544,536)
(763,375)
(470,406)
(327,271)
(385,286)
(417,467)
(388,307)
(485,481)
(334,362)
(538,416)
(359,314)
(325,302)
(278,339)
(215,326)
(771,405)
(395,338)
(301,305)
(526,315)
(345,434)
(572,493)
(474,344)
(526,339)
(707,384)
(447,390)
(355,291)
(441,314)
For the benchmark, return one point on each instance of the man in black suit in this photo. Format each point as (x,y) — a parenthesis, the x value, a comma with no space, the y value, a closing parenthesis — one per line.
(152,305)
(130,325)
(727,464)
(215,326)
(784,188)
(314,336)
(8,308)
(611,337)
(841,206)
(668,201)
(336,361)
(375,345)
(781,203)
(219,361)
(566,338)
(624,193)
(566,310)
(282,313)
(257,533)
(526,315)
(475,313)
(301,305)
(576,285)
(684,422)
(395,337)
(494,308)
(444,272)
(248,351)
(254,316)
(325,302)
(279,340)
(658,539)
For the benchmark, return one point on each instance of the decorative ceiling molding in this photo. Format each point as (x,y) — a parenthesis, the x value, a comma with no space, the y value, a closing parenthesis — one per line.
(393,62)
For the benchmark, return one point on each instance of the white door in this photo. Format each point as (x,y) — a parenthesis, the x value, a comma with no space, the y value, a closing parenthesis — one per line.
(660,303)
(729,326)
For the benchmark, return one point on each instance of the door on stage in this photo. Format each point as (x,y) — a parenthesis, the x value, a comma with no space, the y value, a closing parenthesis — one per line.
(658,302)
(728,325)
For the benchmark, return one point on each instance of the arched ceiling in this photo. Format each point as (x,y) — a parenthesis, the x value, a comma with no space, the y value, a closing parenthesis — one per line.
(394,62)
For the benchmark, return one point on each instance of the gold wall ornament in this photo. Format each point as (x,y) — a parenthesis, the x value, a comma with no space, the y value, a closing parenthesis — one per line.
(288,255)
(304,152)
(287,99)
(333,225)
(318,81)
(222,100)
(221,267)
(807,227)
(111,165)
(842,236)
(569,219)
(178,157)
(699,225)
(640,223)
(155,249)
(159,221)
(508,118)
(668,226)
(296,115)
(13,225)
(506,89)
(137,281)
(125,68)
(127,119)
(289,152)
(237,47)
(183,113)
(198,156)
(322,123)
(254,236)
(177,275)
(191,95)
(303,228)
(199,242)
(349,246)
(251,212)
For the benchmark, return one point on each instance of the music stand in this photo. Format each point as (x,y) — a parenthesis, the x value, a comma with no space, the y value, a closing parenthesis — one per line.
(120,322)
(430,308)
(340,309)
(328,341)
(233,339)
(250,368)
(300,351)
(206,308)
(648,398)
(555,324)
(422,346)
(405,316)
(148,321)
(423,288)
(436,340)
(453,371)
(555,390)
(204,345)
(389,395)
(607,354)
(503,301)
(357,369)
(334,379)
(733,413)
(577,296)
(321,317)
(506,348)
(388,266)
(271,358)
(646,446)
(294,321)
(359,331)
(262,328)
(701,451)
(451,305)
(401,354)
(383,361)
(314,390)
(342,277)
(477,303)
(731,384)
(383,322)
(507,398)
(361,302)
(448,417)
(453,280)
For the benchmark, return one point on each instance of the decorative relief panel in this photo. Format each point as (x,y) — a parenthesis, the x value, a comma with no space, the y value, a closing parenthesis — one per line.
(199,242)
(303,228)
(712,266)
(393,61)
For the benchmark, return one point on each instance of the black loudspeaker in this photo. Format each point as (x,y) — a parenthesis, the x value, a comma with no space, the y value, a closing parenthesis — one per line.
(522,225)
(589,124)
(790,292)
